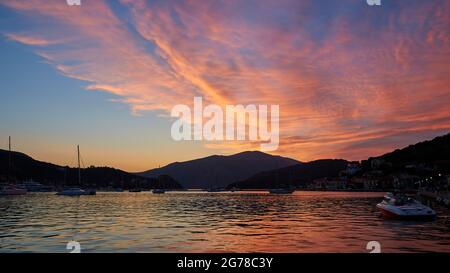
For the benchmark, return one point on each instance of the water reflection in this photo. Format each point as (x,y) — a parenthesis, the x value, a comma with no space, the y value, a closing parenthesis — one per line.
(211,222)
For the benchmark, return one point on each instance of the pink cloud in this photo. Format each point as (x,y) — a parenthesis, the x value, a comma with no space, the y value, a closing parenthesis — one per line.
(29,40)
(352,81)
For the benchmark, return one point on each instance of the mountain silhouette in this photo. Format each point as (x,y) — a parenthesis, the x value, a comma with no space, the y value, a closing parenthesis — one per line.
(426,151)
(431,154)
(219,171)
(293,176)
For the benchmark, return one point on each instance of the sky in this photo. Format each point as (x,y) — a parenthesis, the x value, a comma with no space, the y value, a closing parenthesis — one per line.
(351,80)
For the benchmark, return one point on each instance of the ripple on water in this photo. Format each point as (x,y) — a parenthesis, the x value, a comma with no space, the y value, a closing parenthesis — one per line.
(200,222)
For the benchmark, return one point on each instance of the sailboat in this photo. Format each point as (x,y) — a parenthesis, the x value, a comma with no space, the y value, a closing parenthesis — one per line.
(161,189)
(11,189)
(75,191)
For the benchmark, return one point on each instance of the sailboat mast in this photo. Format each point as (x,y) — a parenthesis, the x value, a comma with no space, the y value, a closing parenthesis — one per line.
(9,154)
(79,167)
(9,157)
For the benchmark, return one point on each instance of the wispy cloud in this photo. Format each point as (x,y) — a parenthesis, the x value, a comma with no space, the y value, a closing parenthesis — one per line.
(350,80)
(29,40)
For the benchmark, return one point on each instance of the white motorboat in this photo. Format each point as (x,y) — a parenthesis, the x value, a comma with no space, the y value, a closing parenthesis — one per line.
(399,206)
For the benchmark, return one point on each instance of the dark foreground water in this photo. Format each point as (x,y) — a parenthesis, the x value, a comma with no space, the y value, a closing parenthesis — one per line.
(212,222)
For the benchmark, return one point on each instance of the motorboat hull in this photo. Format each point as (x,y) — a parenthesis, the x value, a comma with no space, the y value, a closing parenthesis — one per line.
(390,212)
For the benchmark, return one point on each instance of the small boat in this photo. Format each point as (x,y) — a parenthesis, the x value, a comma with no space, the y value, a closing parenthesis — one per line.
(399,206)
(72,192)
(33,186)
(90,191)
(282,191)
(12,190)
(214,190)
(134,190)
(158,191)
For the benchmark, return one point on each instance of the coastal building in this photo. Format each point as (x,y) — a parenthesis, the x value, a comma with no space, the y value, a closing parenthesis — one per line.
(366,183)
(329,184)
(376,163)
(405,181)
(353,167)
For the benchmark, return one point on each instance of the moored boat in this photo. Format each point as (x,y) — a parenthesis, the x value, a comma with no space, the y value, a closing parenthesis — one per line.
(75,191)
(282,191)
(91,191)
(72,192)
(214,190)
(12,190)
(399,206)
(158,191)
(32,186)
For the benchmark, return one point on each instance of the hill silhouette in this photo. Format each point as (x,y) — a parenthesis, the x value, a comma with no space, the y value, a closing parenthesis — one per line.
(219,171)
(23,167)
